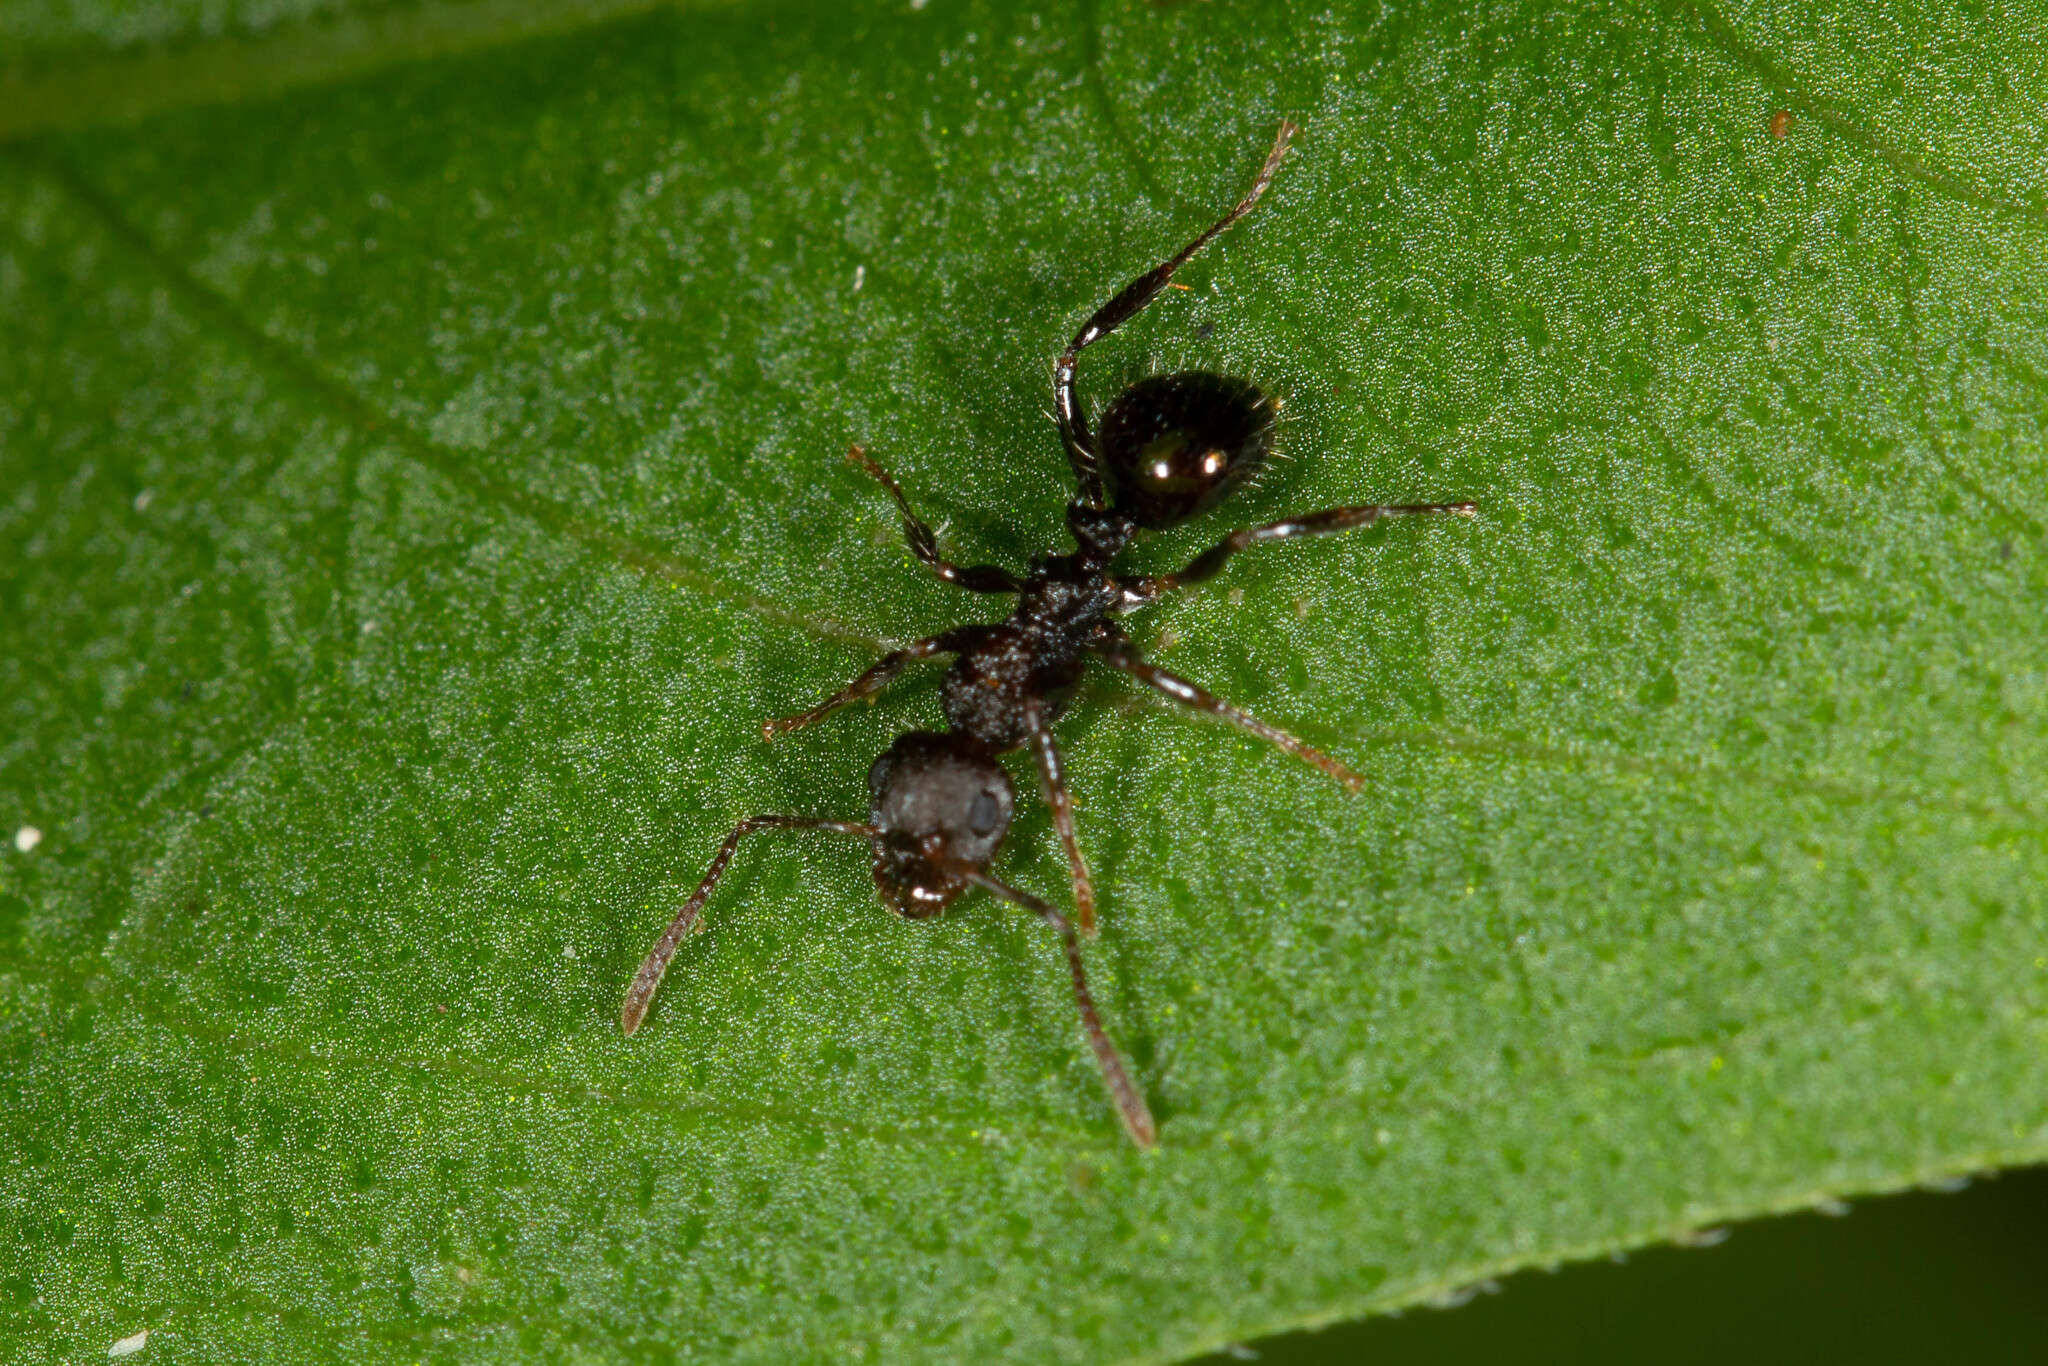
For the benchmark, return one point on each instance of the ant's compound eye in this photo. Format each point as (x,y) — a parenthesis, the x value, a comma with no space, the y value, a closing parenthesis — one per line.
(986,813)
(1176,445)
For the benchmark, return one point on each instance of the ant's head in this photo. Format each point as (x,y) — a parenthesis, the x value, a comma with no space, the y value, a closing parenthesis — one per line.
(943,804)
(1173,446)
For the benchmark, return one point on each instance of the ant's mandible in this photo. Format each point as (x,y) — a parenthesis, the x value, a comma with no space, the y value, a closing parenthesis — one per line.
(1170,447)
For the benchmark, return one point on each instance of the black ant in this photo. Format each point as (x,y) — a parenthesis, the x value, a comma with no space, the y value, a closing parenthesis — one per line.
(1171,447)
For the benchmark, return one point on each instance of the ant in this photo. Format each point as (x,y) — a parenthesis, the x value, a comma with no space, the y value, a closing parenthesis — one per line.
(1170,447)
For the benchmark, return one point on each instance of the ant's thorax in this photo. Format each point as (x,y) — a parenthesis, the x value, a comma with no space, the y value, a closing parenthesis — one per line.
(1065,595)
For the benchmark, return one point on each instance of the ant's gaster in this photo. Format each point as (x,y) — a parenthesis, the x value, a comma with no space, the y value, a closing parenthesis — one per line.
(1170,448)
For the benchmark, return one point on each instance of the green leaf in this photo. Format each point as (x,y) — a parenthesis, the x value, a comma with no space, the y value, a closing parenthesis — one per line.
(415,491)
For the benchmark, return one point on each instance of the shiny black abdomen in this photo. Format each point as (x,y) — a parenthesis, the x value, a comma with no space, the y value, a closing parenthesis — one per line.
(1176,445)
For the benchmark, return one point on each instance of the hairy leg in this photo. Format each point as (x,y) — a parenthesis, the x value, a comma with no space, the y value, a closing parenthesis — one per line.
(1120,655)
(1209,562)
(1052,784)
(875,679)
(976,578)
(1130,1102)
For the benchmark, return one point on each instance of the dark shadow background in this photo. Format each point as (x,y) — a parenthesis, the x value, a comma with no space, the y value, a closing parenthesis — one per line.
(1930,1276)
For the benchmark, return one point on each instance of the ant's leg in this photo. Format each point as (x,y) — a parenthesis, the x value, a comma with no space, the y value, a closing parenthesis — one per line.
(1052,783)
(876,678)
(1129,300)
(656,963)
(1120,655)
(1130,1102)
(977,578)
(1206,564)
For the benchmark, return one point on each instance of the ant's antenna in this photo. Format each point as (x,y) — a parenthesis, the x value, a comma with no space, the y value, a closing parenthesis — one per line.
(646,981)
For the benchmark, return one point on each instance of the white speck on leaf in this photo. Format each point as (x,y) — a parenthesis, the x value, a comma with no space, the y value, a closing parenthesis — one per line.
(144,499)
(860,277)
(130,1345)
(27,838)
